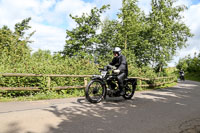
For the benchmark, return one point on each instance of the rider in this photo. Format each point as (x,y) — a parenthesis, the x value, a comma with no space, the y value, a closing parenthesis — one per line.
(182,74)
(119,61)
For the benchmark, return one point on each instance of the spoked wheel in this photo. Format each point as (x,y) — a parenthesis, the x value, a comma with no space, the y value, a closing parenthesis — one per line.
(95,91)
(129,90)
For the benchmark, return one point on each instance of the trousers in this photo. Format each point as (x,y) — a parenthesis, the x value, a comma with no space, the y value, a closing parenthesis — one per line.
(120,79)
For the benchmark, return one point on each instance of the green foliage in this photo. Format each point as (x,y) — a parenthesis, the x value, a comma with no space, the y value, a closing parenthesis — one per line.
(42,95)
(153,39)
(127,31)
(166,31)
(84,36)
(191,66)
(42,62)
(14,45)
(131,25)
(108,36)
(192,76)
(148,42)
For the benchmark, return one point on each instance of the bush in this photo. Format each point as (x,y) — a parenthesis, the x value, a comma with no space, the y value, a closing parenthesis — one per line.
(42,62)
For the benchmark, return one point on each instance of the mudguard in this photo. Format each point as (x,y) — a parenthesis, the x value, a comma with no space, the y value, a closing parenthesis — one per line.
(133,80)
(98,77)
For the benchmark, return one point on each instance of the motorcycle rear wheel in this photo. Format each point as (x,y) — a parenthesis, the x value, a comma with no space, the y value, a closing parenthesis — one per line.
(129,90)
(95,91)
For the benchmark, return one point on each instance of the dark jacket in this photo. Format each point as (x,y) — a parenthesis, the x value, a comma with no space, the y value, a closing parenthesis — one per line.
(181,73)
(121,64)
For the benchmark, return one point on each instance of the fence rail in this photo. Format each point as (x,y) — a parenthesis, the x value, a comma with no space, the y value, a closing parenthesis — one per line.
(48,82)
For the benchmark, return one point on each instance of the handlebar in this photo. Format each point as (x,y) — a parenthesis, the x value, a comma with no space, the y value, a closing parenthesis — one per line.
(101,69)
(108,68)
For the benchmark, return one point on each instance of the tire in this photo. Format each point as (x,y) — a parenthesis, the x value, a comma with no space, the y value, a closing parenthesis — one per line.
(182,78)
(95,91)
(129,90)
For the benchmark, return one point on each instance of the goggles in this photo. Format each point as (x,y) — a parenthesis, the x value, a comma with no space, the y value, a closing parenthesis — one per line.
(114,52)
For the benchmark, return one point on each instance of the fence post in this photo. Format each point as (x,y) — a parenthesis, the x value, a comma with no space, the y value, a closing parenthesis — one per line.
(164,80)
(48,82)
(85,82)
(140,83)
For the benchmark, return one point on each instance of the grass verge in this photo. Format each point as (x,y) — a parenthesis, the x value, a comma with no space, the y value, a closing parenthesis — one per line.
(43,95)
(158,87)
(192,76)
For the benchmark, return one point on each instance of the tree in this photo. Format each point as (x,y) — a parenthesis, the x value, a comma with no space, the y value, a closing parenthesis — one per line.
(131,24)
(166,32)
(108,36)
(189,64)
(84,37)
(14,45)
(126,31)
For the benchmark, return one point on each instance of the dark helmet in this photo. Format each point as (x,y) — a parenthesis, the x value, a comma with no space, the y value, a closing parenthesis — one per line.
(117,50)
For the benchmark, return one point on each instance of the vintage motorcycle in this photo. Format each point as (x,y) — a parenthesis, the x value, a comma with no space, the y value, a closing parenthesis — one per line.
(182,78)
(106,84)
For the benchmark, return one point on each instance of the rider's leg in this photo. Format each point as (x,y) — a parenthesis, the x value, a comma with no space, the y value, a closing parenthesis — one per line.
(109,82)
(121,78)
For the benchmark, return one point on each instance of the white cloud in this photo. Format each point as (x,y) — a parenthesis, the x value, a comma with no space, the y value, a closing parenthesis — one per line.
(13,11)
(48,38)
(145,5)
(192,20)
(74,7)
(115,5)
(50,19)
(184,2)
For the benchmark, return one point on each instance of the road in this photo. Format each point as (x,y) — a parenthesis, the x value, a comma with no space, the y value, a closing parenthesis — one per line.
(171,110)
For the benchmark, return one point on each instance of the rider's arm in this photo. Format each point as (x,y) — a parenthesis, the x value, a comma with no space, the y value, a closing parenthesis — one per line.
(114,61)
(123,64)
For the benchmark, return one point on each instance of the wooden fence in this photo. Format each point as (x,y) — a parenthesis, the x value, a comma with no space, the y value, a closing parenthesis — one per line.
(156,81)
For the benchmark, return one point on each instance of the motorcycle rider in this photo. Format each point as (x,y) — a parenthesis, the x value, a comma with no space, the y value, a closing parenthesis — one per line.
(181,73)
(119,61)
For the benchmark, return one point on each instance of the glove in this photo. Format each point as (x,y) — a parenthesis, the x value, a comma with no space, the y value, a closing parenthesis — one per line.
(117,71)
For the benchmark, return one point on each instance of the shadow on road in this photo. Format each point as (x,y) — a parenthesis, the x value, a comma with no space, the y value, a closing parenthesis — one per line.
(84,117)
(117,115)
(148,111)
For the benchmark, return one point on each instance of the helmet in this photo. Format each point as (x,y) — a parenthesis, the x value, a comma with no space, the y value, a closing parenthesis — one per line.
(117,50)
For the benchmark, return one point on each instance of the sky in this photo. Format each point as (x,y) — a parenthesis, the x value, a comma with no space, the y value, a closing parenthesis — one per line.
(50,20)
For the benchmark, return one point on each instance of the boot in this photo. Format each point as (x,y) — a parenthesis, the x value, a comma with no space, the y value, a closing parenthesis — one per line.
(121,91)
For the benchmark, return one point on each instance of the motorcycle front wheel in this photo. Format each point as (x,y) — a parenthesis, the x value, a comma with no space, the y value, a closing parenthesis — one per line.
(95,91)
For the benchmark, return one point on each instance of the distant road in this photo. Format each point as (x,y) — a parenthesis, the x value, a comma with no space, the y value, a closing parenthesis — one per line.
(172,110)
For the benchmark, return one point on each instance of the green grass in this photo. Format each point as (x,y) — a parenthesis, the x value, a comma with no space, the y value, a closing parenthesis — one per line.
(168,85)
(158,87)
(192,76)
(44,95)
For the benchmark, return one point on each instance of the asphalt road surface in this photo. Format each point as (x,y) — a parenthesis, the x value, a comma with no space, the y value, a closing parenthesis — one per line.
(171,110)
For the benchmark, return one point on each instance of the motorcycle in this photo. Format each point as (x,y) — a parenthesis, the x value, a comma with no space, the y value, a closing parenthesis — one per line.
(182,77)
(106,84)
